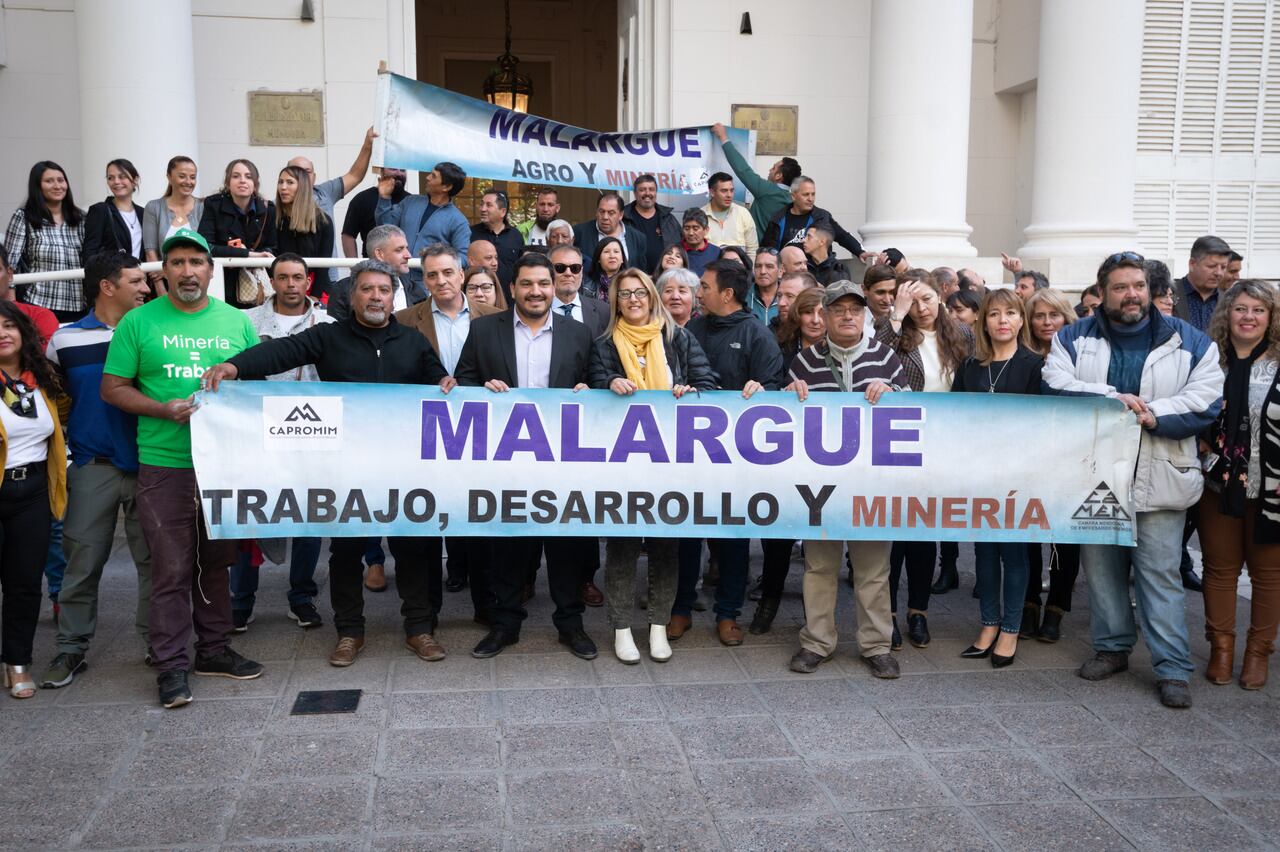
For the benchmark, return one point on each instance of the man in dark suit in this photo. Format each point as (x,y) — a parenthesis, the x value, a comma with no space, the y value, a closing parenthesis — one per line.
(529,347)
(608,223)
(566,262)
(388,244)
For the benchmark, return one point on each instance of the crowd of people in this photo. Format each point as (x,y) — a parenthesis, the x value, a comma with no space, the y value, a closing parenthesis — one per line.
(102,373)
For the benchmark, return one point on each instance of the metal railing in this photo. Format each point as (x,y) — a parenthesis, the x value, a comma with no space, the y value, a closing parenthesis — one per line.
(216,288)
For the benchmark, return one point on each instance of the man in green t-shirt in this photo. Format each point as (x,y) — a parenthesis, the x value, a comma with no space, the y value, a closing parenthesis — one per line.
(154,364)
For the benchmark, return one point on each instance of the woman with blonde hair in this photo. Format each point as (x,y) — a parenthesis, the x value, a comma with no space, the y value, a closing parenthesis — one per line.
(643,349)
(1047,312)
(301,225)
(1239,510)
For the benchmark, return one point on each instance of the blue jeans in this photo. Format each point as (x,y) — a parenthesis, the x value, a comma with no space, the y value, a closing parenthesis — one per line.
(304,553)
(988,556)
(373,554)
(55,564)
(731,590)
(689,557)
(1157,585)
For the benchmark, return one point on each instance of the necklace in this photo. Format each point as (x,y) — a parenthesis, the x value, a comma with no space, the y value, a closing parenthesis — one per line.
(991,384)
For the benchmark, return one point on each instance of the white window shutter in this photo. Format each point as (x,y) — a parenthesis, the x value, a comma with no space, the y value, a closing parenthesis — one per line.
(1202,72)
(1158,93)
(1192,212)
(1244,89)
(1231,207)
(1266,222)
(1152,207)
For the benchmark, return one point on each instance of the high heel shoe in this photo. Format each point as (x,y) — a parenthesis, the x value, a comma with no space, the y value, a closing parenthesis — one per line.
(973,652)
(18,681)
(999,661)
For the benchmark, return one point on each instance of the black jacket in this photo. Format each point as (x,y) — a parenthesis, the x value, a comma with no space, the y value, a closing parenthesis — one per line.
(685,357)
(740,349)
(222,222)
(668,230)
(778,234)
(490,352)
(316,244)
(586,235)
(348,352)
(1020,374)
(339,304)
(510,245)
(829,271)
(105,230)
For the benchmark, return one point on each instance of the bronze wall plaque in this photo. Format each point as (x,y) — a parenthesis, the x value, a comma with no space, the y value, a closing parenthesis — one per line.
(286,118)
(776,126)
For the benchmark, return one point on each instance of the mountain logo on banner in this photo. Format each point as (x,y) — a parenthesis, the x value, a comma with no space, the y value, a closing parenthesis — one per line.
(1101,505)
(305,412)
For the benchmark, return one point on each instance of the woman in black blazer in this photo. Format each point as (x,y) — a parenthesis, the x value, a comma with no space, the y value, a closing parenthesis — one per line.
(116,223)
(238,222)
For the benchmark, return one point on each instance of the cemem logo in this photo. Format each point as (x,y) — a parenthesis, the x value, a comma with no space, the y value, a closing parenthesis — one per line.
(302,422)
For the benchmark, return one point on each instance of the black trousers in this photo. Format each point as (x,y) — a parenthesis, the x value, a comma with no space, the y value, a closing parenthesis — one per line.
(508,573)
(777,563)
(1064,568)
(24,544)
(949,553)
(919,557)
(418,580)
(469,556)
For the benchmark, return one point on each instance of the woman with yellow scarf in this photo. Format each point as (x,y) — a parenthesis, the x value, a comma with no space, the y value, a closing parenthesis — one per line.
(643,349)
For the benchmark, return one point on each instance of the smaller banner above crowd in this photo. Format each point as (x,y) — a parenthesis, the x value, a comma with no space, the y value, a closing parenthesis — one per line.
(311,459)
(420,125)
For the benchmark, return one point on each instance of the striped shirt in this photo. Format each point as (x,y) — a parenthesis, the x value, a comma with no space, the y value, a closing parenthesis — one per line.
(94,429)
(52,248)
(872,362)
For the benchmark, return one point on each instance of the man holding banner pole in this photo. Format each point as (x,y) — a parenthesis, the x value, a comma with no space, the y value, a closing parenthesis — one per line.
(429,218)
(369,346)
(530,347)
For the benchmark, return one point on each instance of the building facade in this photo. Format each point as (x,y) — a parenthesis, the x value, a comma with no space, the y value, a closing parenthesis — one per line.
(954,130)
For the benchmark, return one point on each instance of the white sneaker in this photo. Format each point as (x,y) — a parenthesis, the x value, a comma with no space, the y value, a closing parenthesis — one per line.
(624,646)
(659,647)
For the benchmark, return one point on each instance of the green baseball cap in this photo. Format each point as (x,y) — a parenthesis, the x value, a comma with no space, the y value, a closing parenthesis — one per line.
(184,237)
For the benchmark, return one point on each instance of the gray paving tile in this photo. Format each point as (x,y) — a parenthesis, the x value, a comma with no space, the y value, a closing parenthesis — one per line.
(572,746)
(531,706)
(267,643)
(646,744)
(167,763)
(1157,725)
(774,834)
(701,701)
(850,733)
(441,710)
(631,702)
(873,782)
(417,751)
(682,834)
(566,796)
(460,672)
(1192,823)
(941,829)
(824,695)
(289,809)
(699,665)
(370,675)
(308,845)
(316,755)
(759,788)
(943,728)
(666,793)
(1113,772)
(620,836)
(1006,775)
(1057,724)
(732,738)
(1066,826)
(1261,814)
(770,662)
(610,672)
(533,671)
(447,841)
(438,803)
(132,683)
(232,718)
(1219,767)
(164,816)
(1123,688)
(55,766)
(1250,717)
(37,818)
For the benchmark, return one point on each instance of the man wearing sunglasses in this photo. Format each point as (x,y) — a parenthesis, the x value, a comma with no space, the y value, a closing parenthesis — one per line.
(566,261)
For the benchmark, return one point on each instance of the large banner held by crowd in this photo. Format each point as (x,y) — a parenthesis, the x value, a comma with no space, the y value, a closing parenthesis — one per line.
(303,459)
(420,125)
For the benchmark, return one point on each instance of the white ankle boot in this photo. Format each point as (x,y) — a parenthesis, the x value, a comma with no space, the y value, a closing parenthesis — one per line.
(659,647)
(624,645)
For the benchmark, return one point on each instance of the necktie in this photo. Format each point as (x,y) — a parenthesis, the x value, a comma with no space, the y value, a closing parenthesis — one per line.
(568,310)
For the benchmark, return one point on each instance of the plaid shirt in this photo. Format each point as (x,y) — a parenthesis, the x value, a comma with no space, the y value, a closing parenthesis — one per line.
(52,248)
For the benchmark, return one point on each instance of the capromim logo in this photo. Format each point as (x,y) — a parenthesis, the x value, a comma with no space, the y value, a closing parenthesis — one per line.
(305,412)
(1101,505)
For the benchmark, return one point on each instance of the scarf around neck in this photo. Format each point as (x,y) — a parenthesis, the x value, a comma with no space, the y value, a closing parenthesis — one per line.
(636,342)
(1230,437)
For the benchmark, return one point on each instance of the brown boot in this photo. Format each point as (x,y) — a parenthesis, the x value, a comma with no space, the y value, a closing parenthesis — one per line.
(1253,672)
(1222,654)
(678,626)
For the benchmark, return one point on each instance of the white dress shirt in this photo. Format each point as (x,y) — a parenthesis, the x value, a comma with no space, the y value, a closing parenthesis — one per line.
(557,307)
(451,333)
(533,354)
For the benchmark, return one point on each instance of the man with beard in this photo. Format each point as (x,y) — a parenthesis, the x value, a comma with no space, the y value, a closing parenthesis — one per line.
(546,351)
(344,352)
(153,368)
(1167,373)
(645,215)
(546,208)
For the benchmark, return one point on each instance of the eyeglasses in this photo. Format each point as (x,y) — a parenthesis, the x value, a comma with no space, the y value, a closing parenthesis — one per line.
(562,268)
(1126,256)
(639,293)
(479,288)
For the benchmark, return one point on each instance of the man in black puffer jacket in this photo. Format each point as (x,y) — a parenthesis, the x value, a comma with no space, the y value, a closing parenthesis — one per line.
(369,346)
(745,355)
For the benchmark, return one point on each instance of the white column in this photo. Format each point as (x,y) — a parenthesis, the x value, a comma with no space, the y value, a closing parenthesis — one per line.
(1086,133)
(918,127)
(137,92)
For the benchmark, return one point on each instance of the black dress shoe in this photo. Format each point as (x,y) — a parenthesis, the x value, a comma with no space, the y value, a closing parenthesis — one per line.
(580,644)
(1051,627)
(493,643)
(762,621)
(973,652)
(948,579)
(1191,582)
(455,584)
(1030,621)
(918,629)
(895,642)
